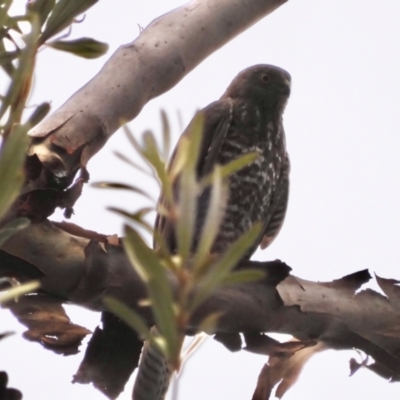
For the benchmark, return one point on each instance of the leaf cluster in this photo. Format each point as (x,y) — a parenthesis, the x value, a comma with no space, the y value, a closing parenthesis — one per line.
(21,36)
(196,274)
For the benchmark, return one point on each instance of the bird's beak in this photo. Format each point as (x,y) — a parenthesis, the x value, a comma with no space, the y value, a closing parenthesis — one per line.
(285,88)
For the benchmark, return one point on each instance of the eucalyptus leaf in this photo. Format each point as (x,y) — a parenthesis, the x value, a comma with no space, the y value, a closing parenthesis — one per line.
(135,144)
(121,186)
(215,214)
(166,131)
(220,269)
(5,5)
(42,8)
(152,156)
(149,267)
(12,227)
(186,212)
(6,58)
(18,291)
(21,76)
(188,188)
(12,156)
(40,112)
(137,216)
(209,323)
(231,167)
(83,47)
(63,14)
(129,316)
(133,164)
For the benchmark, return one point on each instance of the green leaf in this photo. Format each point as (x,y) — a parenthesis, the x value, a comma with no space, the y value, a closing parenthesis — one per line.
(40,112)
(213,220)
(195,134)
(6,58)
(42,8)
(188,189)
(137,216)
(12,227)
(209,323)
(187,212)
(5,5)
(135,144)
(166,131)
(121,186)
(149,267)
(129,316)
(64,13)
(21,74)
(219,271)
(12,156)
(83,47)
(231,167)
(152,156)
(18,291)
(248,275)
(133,164)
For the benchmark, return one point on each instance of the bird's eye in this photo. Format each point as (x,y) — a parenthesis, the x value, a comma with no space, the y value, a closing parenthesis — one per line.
(265,78)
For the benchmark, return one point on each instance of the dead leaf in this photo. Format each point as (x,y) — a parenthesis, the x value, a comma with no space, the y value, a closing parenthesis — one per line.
(283,370)
(48,323)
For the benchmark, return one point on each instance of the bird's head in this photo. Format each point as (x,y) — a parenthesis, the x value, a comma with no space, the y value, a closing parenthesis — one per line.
(262,83)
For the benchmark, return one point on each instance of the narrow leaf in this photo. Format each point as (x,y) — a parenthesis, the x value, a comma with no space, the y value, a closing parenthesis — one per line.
(152,156)
(222,267)
(18,291)
(213,220)
(40,112)
(195,135)
(12,156)
(132,163)
(121,186)
(166,131)
(129,316)
(231,167)
(63,15)
(137,216)
(22,74)
(6,58)
(187,212)
(42,8)
(135,144)
(83,47)
(209,323)
(248,275)
(150,269)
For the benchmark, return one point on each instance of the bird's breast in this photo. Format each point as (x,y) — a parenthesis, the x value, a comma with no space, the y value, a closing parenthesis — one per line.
(251,188)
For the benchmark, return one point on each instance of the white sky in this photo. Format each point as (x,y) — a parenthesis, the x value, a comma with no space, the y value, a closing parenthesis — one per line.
(342,125)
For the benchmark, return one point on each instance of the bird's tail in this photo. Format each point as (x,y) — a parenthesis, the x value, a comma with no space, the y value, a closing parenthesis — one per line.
(154,375)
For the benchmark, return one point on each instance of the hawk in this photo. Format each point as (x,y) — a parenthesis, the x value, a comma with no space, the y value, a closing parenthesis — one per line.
(247,118)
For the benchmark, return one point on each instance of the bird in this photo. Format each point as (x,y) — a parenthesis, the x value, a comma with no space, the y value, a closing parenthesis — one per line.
(247,118)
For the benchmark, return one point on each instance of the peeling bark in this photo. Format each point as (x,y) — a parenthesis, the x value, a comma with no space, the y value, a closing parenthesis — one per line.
(84,270)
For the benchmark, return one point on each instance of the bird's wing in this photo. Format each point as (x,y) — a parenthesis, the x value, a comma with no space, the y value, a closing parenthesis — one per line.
(217,120)
(278,207)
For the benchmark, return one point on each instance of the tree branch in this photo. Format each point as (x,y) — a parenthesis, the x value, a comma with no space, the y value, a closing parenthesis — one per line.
(84,271)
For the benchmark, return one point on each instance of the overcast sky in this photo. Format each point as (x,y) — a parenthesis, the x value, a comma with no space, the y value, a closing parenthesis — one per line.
(342,126)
